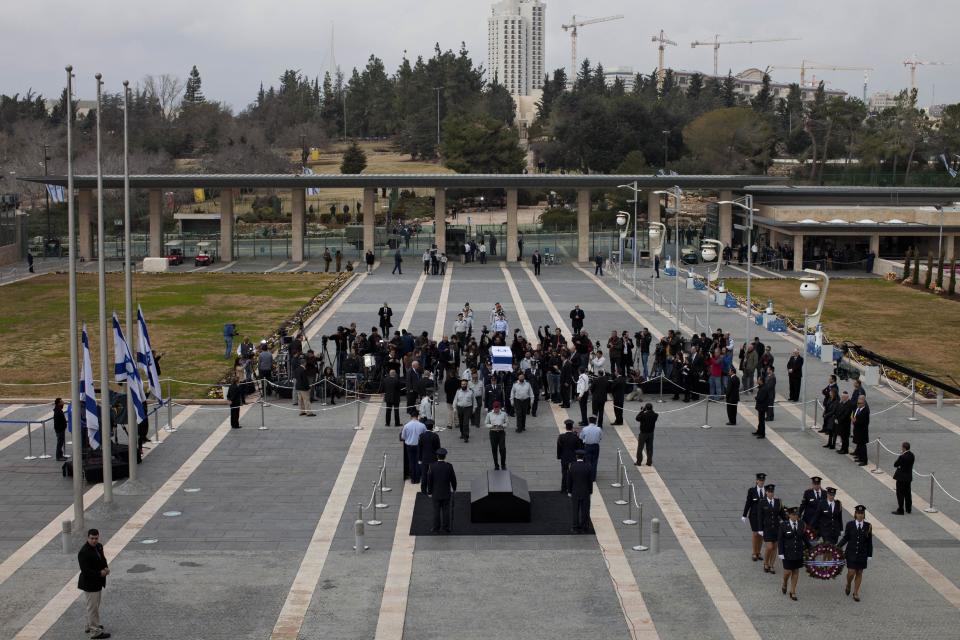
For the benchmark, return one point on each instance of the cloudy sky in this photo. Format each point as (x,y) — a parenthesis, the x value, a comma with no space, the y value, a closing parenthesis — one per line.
(238,43)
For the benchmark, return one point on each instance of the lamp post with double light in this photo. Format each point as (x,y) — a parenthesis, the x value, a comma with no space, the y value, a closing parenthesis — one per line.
(635,187)
(658,235)
(711,250)
(746,203)
(677,193)
(810,289)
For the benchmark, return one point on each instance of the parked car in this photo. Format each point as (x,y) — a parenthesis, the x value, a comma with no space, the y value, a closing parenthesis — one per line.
(175,252)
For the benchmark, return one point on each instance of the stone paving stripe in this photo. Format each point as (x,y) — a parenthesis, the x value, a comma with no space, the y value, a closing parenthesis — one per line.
(8,410)
(634,608)
(339,298)
(940,518)
(911,558)
(58,605)
(46,535)
(278,267)
(294,609)
(926,413)
(18,434)
(729,608)
(624,304)
(224,267)
(408,312)
(396,588)
(298,267)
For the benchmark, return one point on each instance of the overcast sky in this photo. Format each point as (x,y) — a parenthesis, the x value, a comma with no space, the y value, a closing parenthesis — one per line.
(238,43)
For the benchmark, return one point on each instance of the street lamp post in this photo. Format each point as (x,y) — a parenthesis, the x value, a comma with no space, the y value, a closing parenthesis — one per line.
(677,194)
(635,187)
(746,203)
(711,250)
(810,289)
(623,221)
(657,234)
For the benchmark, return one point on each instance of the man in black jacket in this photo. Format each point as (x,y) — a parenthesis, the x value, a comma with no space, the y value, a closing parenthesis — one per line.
(568,443)
(618,390)
(795,375)
(598,396)
(93,579)
(763,401)
(235,397)
(441,485)
(904,476)
(648,422)
(427,448)
(579,489)
(391,396)
(860,425)
(59,427)
(733,396)
(842,422)
(576,319)
(414,379)
(385,314)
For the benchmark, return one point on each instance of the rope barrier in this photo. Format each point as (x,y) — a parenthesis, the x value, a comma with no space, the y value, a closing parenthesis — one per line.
(931,475)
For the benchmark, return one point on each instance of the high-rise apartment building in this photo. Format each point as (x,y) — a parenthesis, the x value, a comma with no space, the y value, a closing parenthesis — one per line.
(516,45)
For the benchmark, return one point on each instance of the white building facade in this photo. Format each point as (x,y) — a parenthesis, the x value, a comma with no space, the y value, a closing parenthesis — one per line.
(515,45)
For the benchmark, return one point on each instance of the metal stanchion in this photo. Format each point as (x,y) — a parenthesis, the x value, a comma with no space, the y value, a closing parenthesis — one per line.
(263,425)
(660,399)
(913,401)
(170,426)
(816,406)
(622,501)
(373,522)
(876,462)
(156,425)
(639,546)
(66,528)
(931,508)
(618,484)
(383,474)
(29,455)
(43,429)
(358,544)
(360,511)
(633,496)
(379,484)
(706,415)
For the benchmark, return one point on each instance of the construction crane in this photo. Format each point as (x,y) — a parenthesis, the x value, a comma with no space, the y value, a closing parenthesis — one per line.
(806,64)
(915,62)
(717,42)
(663,42)
(572,28)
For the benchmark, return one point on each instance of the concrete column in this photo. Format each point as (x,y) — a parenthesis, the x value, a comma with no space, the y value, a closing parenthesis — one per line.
(949,242)
(875,244)
(583,225)
(156,223)
(440,219)
(798,252)
(298,216)
(653,206)
(511,225)
(85,231)
(369,219)
(725,221)
(226,225)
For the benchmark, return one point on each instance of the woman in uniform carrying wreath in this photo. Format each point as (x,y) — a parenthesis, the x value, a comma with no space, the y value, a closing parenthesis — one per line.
(771,515)
(791,545)
(858,540)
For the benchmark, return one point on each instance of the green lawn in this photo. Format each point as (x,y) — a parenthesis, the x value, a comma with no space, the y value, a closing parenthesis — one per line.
(914,327)
(185,315)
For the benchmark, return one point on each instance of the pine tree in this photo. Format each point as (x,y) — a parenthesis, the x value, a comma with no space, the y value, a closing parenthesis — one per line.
(763,101)
(906,264)
(727,93)
(952,287)
(940,270)
(929,279)
(193,94)
(354,160)
(916,267)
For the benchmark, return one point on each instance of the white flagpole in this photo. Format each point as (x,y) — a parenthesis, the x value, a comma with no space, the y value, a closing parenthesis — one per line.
(133,430)
(105,429)
(75,408)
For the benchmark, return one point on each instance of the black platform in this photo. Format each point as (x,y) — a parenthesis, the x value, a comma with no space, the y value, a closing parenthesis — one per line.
(550,515)
(93,465)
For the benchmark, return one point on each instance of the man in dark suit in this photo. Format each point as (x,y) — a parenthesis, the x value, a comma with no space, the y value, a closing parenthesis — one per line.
(598,264)
(860,425)
(733,396)
(598,396)
(842,422)
(763,401)
(576,319)
(537,260)
(795,374)
(93,579)
(568,443)
(414,379)
(391,396)
(579,489)
(829,520)
(385,314)
(427,448)
(441,485)
(810,502)
(904,476)
(618,390)
(235,397)
(751,514)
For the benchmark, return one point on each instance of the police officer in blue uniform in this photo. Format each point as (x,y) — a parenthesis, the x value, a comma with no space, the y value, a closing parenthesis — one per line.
(751,515)
(771,515)
(858,540)
(791,544)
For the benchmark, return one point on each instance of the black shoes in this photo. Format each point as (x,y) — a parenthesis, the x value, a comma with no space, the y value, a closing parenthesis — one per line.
(897,512)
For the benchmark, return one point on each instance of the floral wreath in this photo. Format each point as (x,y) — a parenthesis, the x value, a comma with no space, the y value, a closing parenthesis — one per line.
(824,561)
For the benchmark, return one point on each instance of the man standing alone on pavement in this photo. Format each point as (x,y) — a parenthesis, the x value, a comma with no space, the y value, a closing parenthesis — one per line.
(537,260)
(59,427)
(93,579)
(410,434)
(580,488)
(591,436)
(903,477)
(733,396)
(521,395)
(441,485)
(648,422)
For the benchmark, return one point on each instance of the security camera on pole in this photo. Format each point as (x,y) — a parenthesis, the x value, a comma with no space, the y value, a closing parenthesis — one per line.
(623,221)
(810,288)
(711,250)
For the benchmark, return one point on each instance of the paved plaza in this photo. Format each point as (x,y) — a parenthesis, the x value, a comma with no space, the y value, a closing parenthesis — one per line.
(263,545)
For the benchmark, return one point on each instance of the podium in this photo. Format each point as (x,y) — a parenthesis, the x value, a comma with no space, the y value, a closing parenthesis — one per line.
(499,496)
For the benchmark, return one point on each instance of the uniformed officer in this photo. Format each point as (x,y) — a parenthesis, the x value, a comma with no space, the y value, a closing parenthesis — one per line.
(751,515)
(771,515)
(791,544)
(441,485)
(580,486)
(858,540)
(567,444)
(810,503)
(829,521)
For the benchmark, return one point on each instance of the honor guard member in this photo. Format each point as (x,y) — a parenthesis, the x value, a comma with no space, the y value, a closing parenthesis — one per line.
(858,540)
(568,443)
(441,485)
(829,522)
(580,488)
(751,515)
(771,515)
(791,544)
(810,503)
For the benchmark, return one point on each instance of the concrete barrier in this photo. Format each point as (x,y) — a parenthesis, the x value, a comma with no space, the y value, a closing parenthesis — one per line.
(155,265)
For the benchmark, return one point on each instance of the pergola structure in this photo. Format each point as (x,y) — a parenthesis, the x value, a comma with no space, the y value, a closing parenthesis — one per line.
(227,184)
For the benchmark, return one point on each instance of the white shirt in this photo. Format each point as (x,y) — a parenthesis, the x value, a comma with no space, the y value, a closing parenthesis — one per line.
(411,432)
(583,384)
(598,365)
(521,391)
(426,408)
(496,421)
(500,326)
(464,398)
(482,248)
(459,326)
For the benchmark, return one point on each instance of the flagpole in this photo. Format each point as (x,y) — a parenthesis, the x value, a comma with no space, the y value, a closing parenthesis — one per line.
(75,409)
(133,427)
(105,429)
